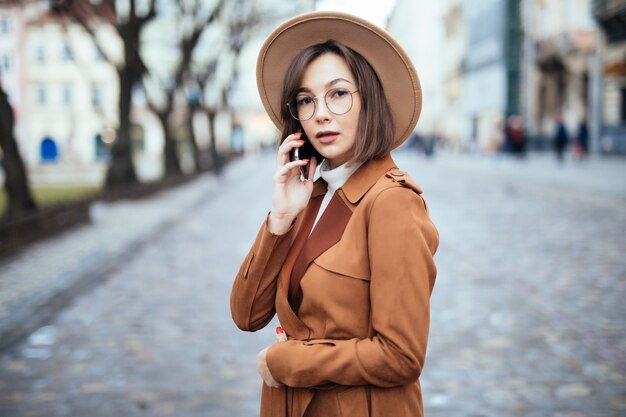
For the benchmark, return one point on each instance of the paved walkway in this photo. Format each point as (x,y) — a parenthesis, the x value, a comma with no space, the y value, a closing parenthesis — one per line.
(55,269)
(527,312)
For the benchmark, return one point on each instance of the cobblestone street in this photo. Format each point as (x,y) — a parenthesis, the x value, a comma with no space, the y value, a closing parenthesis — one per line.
(527,313)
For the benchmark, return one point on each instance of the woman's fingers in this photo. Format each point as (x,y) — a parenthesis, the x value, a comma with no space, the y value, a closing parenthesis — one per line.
(291,165)
(287,171)
(290,142)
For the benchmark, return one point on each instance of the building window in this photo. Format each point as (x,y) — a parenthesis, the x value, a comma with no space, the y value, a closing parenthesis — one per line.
(97,98)
(67,95)
(41,95)
(67,53)
(40,54)
(5,26)
(5,64)
(103,149)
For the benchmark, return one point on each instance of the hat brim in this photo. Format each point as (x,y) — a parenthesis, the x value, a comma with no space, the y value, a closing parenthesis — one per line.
(390,62)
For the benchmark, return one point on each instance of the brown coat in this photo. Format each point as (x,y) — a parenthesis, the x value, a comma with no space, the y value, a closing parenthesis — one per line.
(357,343)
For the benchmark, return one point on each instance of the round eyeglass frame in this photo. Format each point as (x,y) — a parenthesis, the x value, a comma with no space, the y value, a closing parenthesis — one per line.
(316,98)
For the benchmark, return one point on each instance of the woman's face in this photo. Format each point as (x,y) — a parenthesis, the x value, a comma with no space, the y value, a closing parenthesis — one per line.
(332,135)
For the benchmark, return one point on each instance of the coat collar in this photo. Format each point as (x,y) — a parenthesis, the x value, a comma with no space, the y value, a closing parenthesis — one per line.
(319,187)
(361,181)
(366,176)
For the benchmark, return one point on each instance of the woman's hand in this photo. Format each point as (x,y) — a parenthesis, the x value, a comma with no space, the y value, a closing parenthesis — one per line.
(290,194)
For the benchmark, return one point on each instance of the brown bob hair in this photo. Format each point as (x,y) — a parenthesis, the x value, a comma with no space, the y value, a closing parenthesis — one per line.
(375,135)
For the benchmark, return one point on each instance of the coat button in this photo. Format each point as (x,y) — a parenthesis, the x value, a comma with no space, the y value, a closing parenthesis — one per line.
(397,173)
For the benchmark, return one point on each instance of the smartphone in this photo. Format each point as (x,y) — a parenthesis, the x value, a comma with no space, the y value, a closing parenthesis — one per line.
(306,151)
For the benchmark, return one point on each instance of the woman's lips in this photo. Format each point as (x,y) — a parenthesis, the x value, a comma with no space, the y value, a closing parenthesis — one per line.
(327,137)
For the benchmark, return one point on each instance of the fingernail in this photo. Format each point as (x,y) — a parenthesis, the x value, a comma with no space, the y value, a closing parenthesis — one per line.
(298,134)
(300,141)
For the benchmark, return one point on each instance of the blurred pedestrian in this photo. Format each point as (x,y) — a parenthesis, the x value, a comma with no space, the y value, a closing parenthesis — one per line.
(430,145)
(415,142)
(560,138)
(581,146)
(515,136)
(346,261)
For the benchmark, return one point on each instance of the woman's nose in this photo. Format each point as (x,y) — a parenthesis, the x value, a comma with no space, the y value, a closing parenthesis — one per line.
(321,111)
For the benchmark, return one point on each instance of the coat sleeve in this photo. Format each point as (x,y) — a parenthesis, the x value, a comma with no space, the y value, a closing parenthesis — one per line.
(401,243)
(253,293)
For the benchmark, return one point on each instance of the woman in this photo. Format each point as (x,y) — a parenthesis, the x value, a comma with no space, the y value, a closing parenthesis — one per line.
(346,261)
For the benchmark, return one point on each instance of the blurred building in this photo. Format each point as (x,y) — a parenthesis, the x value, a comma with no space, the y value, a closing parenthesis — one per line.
(72,95)
(491,68)
(484,69)
(417,26)
(465,54)
(558,59)
(455,127)
(62,90)
(609,125)
(481,62)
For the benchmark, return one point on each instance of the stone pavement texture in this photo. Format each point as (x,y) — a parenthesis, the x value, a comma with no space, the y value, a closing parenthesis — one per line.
(47,270)
(527,312)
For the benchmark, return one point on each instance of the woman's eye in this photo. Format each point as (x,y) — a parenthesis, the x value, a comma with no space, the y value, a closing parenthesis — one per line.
(302,101)
(338,93)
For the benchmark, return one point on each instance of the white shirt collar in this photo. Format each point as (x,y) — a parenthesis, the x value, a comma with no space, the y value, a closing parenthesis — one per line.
(338,176)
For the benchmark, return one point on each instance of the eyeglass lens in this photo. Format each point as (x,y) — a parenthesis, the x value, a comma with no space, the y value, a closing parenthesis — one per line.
(338,101)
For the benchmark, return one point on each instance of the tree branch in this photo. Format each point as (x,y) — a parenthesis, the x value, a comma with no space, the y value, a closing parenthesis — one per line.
(189,44)
(82,12)
(96,41)
(150,15)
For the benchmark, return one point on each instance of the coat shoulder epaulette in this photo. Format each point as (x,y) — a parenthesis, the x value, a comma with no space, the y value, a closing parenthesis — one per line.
(403,179)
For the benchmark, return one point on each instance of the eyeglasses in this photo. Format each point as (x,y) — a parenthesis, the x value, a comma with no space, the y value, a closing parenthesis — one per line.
(338,100)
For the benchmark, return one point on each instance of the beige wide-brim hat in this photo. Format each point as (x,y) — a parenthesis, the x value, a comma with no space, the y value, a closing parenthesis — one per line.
(392,65)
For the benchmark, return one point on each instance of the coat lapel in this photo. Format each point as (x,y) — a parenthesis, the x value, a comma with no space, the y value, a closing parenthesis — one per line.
(327,232)
(308,217)
(288,319)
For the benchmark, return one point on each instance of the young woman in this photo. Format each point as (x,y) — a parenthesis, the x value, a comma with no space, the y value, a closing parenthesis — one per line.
(345,261)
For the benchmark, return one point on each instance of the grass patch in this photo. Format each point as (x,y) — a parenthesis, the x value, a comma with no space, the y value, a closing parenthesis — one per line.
(47,195)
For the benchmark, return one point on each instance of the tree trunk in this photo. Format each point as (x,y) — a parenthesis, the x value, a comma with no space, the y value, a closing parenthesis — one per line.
(193,140)
(16,181)
(172,165)
(215,157)
(121,172)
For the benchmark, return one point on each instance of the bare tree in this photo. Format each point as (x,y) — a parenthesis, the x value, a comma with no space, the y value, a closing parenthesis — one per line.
(193,20)
(129,24)
(16,181)
(240,20)
(16,184)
